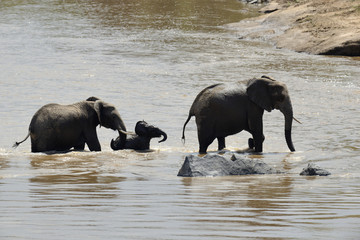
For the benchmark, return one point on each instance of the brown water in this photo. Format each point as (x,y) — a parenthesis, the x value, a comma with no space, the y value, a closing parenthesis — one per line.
(150,59)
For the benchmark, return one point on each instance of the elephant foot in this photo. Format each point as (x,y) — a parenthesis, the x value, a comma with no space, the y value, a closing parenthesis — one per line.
(251,143)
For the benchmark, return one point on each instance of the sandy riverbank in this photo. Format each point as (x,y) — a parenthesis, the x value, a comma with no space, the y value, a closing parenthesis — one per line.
(328,27)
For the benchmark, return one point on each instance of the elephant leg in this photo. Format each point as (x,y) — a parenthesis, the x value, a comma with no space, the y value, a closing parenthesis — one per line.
(257,141)
(221,143)
(251,143)
(92,141)
(203,146)
(41,144)
(80,146)
(35,148)
(205,139)
(256,129)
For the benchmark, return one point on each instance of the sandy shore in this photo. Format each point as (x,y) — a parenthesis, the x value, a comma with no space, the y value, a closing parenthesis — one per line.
(328,27)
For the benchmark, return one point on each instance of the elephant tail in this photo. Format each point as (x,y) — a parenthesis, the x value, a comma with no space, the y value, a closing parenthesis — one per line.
(183,133)
(16,144)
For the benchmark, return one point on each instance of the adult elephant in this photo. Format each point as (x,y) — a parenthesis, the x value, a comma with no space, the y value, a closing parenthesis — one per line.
(141,139)
(63,127)
(225,109)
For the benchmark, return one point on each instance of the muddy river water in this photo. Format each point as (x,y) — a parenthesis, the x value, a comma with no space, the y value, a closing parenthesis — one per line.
(150,59)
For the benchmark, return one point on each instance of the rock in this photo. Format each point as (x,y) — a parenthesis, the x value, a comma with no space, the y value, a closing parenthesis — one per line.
(325,27)
(313,170)
(223,165)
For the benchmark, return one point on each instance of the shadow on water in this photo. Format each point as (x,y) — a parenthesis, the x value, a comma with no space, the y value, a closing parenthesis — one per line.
(88,167)
(252,202)
(74,174)
(4,162)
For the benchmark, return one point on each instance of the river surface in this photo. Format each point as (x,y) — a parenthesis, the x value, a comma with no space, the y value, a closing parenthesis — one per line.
(150,59)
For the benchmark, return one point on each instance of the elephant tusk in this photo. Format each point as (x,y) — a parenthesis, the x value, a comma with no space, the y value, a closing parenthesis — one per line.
(126,133)
(297,120)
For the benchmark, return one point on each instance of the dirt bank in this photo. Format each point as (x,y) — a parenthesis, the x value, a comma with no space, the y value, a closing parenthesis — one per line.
(329,27)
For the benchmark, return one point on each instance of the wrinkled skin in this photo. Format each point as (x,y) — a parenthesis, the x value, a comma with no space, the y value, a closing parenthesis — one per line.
(225,109)
(140,140)
(56,127)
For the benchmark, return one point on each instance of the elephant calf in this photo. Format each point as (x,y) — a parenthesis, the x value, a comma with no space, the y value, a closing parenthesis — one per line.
(140,140)
(225,109)
(56,127)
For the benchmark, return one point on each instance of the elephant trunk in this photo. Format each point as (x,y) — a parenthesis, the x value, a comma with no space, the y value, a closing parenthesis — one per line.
(121,140)
(286,109)
(288,121)
(164,136)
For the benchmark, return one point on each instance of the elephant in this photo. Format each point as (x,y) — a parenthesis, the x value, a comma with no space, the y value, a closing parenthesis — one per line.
(141,139)
(222,109)
(56,127)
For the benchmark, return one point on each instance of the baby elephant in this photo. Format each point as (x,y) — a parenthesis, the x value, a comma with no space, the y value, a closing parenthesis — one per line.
(140,140)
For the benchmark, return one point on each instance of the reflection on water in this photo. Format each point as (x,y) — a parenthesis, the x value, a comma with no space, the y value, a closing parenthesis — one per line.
(150,59)
(4,162)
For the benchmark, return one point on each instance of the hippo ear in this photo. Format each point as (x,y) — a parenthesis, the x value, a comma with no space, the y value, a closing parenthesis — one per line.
(257,90)
(98,106)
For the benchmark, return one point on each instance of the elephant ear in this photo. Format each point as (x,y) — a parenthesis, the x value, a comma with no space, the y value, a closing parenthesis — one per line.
(258,92)
(141,128)
(92,99)
(98,106)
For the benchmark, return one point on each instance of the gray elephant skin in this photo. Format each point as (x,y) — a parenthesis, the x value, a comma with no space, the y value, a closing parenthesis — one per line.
(141,139)
(56,127)
(221,110)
